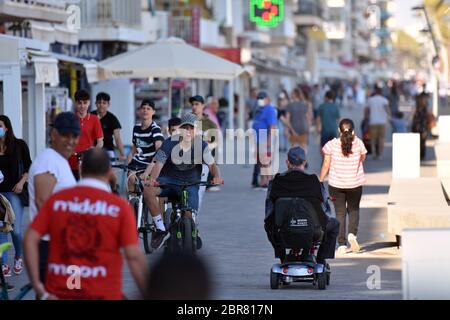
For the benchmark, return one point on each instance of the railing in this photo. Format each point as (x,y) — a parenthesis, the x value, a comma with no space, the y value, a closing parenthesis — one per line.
(208,31)
(39,10)
(96,13)
(50,4)
(335,29)
(309,7)
(181,28)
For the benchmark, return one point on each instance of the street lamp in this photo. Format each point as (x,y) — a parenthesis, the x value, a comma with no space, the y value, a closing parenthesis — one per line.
(430,28)
(435,60)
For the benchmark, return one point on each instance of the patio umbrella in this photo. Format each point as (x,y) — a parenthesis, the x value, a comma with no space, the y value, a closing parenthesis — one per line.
(169,58)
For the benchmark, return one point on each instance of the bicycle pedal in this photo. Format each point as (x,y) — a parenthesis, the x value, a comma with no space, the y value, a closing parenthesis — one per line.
(142,230)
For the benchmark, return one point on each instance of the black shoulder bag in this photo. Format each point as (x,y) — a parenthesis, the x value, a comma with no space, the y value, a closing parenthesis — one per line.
(23,196)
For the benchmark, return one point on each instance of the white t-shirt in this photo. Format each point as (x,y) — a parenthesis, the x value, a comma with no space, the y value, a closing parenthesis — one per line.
(49,161)
(378,114)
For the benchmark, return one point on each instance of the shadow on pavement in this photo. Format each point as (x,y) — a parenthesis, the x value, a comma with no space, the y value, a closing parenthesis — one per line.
(375,189)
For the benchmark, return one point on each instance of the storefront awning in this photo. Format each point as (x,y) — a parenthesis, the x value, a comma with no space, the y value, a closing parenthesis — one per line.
(46,69)
(46,66)
(273,68)
(51,33)
(89,66)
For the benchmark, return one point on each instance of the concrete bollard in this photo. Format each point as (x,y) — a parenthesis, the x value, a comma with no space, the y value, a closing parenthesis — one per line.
(425,264)
(444,129)
(406,155)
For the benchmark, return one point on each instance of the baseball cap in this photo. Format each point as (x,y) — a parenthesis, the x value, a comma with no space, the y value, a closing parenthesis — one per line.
(262,95)
(197,99)
(67,122)
(296,156)
(189,119)
(174,122)
(148,102)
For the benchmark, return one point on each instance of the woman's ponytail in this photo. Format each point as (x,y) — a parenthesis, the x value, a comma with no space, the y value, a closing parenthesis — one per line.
(347,129)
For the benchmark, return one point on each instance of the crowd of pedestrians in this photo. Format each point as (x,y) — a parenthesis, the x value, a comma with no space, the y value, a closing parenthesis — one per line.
(68,186)
(75,219)
(343,152)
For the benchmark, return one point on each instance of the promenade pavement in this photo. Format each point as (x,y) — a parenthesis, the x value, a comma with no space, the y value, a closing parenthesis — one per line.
(240,256)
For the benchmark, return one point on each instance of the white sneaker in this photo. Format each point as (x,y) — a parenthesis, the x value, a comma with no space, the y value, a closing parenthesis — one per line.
(353,242)
(6,270)
(342,250)
(214,189)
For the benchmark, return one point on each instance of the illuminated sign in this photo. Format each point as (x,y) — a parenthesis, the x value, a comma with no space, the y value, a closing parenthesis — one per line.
(266,13)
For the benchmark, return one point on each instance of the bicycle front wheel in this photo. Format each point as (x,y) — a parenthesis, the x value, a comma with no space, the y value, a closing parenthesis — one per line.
(189,236)
(146,239)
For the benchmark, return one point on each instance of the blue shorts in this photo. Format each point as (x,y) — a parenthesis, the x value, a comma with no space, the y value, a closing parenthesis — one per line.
(174,191)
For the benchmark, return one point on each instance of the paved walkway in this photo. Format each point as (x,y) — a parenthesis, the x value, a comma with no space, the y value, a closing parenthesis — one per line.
(240,256)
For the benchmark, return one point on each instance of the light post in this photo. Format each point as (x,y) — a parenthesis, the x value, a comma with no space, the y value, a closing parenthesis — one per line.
(435,59)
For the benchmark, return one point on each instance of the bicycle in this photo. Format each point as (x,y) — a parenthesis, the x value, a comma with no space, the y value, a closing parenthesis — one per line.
(180,219)
(142,213)
(4,295)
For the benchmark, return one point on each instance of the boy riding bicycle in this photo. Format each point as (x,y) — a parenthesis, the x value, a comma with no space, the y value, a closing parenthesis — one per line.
(147,139)
(178,161)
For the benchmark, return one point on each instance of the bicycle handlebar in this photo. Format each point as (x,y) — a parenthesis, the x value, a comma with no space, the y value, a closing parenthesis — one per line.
(126,167)
(185,185)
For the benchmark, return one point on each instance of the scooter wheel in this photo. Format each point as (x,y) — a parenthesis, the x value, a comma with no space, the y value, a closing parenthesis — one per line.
(274,280)
(322,281)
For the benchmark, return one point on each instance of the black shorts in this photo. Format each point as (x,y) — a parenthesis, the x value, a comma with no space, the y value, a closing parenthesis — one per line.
(137,166)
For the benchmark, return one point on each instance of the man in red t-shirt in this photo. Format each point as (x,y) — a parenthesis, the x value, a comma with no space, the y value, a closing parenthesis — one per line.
(91,130)
(88,227)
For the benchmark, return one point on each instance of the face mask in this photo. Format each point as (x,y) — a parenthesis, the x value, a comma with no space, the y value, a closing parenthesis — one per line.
(261,103)
(2,132)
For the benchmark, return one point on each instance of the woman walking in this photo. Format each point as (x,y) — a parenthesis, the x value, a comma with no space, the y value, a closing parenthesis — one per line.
(15,162)
(420,123)
(343,160)
(298,119)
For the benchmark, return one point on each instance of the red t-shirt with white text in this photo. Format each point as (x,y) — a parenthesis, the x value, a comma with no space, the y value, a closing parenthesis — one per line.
(91,130)
(87,227)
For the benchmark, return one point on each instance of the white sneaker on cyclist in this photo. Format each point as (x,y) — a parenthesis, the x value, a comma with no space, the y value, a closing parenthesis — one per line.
(159,238)
(18,266)
(6,270)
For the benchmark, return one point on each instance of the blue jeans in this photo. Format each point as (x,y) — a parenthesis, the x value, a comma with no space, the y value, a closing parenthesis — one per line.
(16,234)
(174,191)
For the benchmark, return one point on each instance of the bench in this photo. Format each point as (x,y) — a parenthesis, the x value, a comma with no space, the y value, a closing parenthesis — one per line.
(425,259)
(446,187)
(416,203)
(442,151)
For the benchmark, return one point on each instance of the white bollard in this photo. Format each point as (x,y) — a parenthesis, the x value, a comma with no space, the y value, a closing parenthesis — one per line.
(425,264)
(444,129)
(405,155)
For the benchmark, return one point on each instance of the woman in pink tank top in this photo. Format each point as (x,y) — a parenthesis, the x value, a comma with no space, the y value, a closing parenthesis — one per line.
(343,163)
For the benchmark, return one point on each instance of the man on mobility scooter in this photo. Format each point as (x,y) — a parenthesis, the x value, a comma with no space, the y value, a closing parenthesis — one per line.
(296,221)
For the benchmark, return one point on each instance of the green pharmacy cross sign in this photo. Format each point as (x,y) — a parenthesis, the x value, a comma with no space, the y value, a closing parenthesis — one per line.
(266,13)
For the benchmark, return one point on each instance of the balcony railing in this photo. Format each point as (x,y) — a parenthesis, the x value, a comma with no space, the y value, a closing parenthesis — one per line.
(207,32)
(43,10)
(310,8)
(111,13)
(335,30)
(181,28)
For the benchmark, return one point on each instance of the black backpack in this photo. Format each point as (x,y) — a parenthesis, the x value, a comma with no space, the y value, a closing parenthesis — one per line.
(297,222)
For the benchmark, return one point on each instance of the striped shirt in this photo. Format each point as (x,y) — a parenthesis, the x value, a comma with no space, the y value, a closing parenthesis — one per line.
(345,172)
(144,141)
